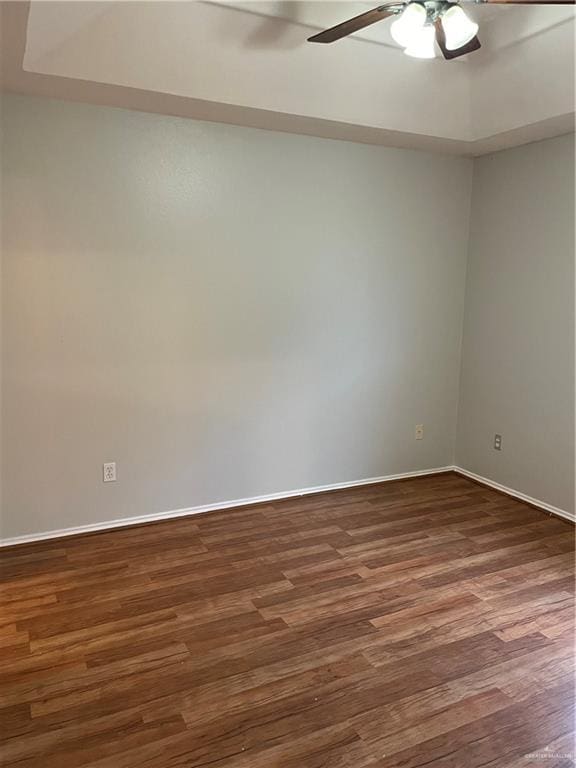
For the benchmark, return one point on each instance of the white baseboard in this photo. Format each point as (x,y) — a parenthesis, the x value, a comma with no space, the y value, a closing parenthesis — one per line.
(155,517)
(517,494)
(175,513)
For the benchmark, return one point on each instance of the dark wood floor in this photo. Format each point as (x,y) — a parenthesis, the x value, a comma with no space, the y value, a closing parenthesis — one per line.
(418,623)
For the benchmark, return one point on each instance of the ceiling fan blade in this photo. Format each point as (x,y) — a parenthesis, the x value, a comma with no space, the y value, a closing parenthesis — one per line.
(353,25)
(470,46)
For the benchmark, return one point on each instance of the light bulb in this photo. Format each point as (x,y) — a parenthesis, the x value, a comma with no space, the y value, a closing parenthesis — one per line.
(458,28)
(422,44)
(412,19)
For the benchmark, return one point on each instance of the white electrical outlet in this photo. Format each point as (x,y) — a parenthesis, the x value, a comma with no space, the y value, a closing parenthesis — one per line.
(109,472)
(419,432)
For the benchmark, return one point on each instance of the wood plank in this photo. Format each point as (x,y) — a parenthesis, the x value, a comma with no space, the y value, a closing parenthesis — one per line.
(426,622)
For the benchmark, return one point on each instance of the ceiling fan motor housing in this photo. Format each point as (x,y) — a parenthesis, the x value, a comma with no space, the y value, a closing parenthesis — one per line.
(435,9)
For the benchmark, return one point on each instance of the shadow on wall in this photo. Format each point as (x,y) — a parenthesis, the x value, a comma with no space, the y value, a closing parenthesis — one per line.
(283,31)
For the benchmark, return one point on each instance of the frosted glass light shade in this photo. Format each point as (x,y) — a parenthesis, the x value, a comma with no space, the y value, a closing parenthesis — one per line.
(412,19)
(458,28)
(422,44)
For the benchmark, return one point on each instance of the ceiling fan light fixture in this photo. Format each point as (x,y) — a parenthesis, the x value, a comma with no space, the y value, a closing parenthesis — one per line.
(422,44)
(458,27)
(408,24)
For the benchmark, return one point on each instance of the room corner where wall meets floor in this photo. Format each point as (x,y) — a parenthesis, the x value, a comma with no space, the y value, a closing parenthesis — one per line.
(228,313)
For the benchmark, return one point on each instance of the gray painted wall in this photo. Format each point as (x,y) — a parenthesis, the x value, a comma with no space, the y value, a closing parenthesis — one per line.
(518,350)
(224,312)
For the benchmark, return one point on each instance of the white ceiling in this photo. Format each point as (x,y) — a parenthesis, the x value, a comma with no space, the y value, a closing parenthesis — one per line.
(249,63)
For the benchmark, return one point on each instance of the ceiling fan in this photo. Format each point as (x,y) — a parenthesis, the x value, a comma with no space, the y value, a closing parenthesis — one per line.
(420,24)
